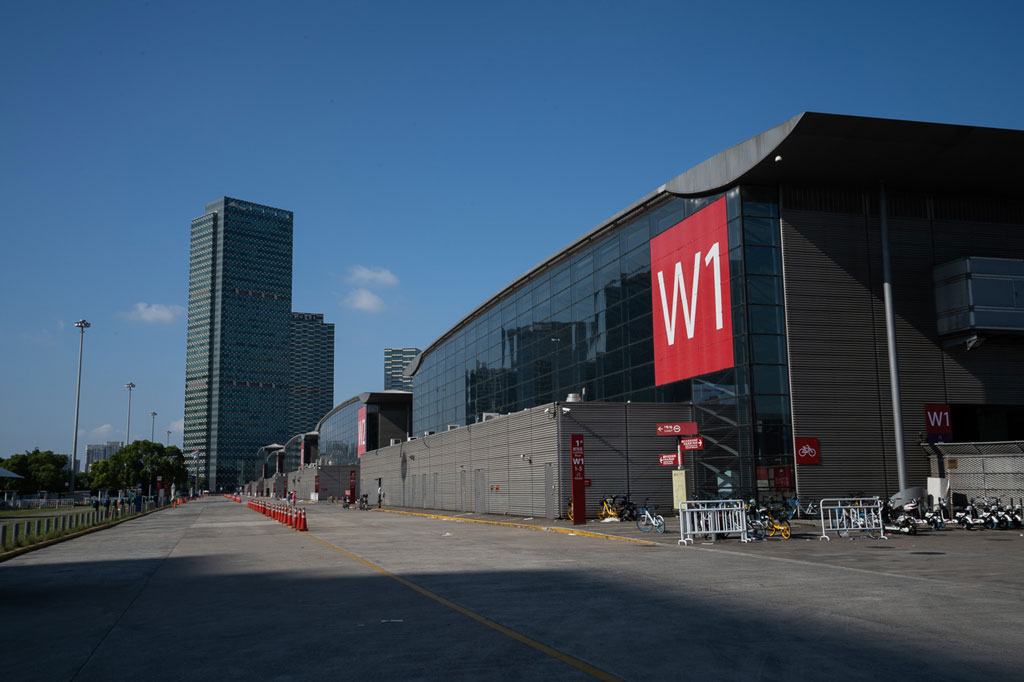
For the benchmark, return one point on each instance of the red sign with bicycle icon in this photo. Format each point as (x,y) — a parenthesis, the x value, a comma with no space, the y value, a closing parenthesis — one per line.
(807,451)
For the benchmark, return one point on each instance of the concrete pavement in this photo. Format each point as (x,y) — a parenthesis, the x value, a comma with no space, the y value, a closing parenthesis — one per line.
(215,589)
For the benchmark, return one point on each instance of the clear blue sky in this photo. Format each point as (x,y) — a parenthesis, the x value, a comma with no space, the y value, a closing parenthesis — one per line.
(452,144)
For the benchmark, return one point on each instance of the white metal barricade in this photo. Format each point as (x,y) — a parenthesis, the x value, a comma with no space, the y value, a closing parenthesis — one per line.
(852,515)
(711,518)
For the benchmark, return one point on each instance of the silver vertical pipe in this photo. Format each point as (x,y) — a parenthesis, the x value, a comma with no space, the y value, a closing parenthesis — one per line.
(890,335)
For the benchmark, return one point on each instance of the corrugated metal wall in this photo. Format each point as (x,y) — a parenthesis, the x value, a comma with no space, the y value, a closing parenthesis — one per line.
(837,338)
(499,466)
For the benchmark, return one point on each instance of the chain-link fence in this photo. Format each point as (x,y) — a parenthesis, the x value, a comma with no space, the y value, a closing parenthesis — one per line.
(980,470)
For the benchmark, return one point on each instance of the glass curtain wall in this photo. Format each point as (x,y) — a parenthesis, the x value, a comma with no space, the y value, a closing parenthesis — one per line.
(584,325)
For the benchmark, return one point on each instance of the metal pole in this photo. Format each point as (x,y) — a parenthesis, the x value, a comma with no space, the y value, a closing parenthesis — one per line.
(82,325)
(152,428)
(890,334)
(168,439)
(128,428)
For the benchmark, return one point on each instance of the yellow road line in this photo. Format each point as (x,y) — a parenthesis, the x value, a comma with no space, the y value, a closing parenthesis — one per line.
(583,666)
(553,529)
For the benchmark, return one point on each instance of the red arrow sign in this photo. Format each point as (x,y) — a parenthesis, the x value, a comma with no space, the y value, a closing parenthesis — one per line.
(677,429)
(692,443)
(668,460)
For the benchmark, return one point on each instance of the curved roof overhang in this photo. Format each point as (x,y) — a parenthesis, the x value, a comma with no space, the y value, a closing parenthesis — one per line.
(830,149)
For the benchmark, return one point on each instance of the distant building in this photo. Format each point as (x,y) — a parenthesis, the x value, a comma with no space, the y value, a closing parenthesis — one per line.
(312,371)
(94,453)
(395,362)
(239,361)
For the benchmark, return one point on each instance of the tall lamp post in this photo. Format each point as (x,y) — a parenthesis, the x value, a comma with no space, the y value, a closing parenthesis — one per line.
(128,429)
(168,439)
(152,428)
(82,325)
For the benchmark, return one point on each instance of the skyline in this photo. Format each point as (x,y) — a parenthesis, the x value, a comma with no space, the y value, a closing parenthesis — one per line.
(430,157)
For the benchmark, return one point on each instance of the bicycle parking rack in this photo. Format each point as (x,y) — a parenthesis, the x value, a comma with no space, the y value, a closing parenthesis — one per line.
(711,517)
(852,515)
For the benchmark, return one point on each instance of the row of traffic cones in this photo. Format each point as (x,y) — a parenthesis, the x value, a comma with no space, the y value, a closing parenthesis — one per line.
(282,513)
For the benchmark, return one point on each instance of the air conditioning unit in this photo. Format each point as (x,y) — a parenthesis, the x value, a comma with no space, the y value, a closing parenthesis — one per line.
(396,441)
(452,427)
(487,416)
(429,433)
(411,438)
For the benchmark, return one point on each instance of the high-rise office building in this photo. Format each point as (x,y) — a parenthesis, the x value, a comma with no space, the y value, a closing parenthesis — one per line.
(94,453)
(312,371)
(395,362)
(239,330)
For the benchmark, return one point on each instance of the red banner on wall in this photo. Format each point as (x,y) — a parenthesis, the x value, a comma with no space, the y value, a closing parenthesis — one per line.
(937,419)
(361,432)
(691,300)
(579,481)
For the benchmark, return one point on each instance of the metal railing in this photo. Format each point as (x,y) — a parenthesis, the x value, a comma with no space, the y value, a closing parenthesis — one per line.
(843,516)
(709,518)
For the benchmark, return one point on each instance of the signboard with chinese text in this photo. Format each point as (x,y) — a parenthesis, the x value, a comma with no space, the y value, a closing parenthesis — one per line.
(677,429)
(579,485)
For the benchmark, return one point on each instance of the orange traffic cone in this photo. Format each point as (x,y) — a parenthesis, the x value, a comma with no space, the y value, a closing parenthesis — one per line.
(302,521)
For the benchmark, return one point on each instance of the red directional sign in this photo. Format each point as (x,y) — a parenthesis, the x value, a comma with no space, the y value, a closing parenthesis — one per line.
(677,429)
(670,460)
(692,443)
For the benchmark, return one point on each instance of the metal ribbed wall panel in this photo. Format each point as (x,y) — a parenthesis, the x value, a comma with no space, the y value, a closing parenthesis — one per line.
(513,453)
(837,341)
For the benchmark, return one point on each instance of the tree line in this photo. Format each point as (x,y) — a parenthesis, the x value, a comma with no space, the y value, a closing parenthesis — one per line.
(139,462)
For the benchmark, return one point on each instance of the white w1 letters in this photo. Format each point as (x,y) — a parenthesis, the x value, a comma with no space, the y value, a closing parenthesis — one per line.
(679,294)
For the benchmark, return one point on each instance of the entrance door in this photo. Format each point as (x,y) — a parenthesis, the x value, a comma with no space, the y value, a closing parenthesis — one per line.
(549,491)
(481,492)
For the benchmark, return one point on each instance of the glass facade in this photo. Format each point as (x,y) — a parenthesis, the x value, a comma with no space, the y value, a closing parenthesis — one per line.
(339,433)
(395,362)
(584,324)
(311,380)
(239,317)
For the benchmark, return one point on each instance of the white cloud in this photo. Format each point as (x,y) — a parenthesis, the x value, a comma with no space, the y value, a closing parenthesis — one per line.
(101,433)
(178,426)
(363,299)
(380,277)
(155,312)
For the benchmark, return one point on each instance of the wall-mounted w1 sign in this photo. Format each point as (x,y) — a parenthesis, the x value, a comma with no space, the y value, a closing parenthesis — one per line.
(807,451)
(937,419)
(690,293)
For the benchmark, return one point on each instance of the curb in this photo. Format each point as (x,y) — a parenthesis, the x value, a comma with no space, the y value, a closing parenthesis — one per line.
(511,524)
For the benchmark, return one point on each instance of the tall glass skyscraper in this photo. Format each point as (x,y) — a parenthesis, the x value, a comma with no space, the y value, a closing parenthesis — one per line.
(237,370)
(395,362)
(312,371)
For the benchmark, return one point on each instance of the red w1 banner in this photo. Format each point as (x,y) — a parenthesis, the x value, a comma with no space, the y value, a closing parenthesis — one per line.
(807,451)
(691,443)
(579,482)
(361,433)
(937,419)
(690,293)
(677,429)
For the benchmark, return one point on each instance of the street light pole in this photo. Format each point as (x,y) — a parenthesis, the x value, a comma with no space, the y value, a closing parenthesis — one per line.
(128,429)
(168,439)
(152,428)
(82,325)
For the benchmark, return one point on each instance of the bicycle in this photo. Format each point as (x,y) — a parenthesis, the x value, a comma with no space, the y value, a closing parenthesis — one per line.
(756,528)
(772,526)
(617,507)
(795,510)
(569,507)
(645,520)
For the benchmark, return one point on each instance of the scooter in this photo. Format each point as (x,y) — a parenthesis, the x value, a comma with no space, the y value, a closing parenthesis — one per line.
(936,517)
(967,518)
(903,522)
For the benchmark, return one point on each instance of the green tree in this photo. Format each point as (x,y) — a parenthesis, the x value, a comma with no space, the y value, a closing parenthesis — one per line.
(140,462)
(41,469)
